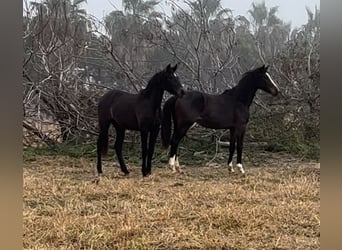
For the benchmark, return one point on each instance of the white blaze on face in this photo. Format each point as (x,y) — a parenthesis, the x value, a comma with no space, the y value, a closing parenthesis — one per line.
(270,78)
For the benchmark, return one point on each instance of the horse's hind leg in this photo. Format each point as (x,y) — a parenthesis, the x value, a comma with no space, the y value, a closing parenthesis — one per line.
(120,135)
(239,148)
(177,136)
(102,144)
(232,140)
(144,151)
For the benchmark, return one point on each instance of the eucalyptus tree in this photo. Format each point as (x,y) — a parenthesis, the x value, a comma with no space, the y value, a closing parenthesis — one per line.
(296,67)
(130,32)
(201,37)
(269,31)
(54,39)
(299,63)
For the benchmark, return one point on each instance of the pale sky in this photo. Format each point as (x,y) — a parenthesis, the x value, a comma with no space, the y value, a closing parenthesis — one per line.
(289,10)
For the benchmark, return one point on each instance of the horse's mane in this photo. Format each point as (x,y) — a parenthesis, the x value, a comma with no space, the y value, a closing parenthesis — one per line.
(229,91)
(155,79)
(243,77)
(246,74)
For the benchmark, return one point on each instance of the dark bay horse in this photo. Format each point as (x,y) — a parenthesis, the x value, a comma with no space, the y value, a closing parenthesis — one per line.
(140,112)
(229,110)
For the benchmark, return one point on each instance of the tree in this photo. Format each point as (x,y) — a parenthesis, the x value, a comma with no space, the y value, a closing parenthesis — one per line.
(269,31)
(54,38)
(70,59)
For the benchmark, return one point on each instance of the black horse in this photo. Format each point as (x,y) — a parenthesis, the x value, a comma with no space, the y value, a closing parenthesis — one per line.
(139,112)
(229,110)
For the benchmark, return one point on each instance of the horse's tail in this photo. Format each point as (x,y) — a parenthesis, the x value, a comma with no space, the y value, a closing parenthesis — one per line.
(166,124)
(102,141)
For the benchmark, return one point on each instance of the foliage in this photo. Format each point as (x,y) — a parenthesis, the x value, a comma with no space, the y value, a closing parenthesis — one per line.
(71,59)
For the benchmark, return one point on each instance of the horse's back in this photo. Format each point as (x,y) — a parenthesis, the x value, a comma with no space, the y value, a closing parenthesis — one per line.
(109,97)
(189,107)
(193,99)
(119,107)
(209,110)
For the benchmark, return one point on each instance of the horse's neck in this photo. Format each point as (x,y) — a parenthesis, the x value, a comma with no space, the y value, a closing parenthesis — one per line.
(245,93)
(153,94)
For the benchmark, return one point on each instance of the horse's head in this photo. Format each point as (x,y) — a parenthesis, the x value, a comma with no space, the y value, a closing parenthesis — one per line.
(264,81)
(171,82)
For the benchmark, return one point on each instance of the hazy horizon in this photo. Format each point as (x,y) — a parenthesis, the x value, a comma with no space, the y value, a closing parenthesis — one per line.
(297,16)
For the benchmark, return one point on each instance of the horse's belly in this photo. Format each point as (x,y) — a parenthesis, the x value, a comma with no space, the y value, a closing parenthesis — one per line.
(214,123)
(126,121)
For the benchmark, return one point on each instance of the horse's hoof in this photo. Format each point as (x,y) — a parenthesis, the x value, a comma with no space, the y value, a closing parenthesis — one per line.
(169,166)
(173,170)
(145,175)
(125,171)
(179,170)
(97,179)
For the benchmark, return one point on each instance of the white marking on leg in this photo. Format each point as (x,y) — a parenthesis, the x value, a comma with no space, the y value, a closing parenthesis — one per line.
(230,167)
(177,162)
(172,162)
(239,165)
(270,78)
(177,165)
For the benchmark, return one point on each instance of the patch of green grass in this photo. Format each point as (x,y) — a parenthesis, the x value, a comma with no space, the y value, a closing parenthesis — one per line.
(296,146)
(193,152)
(87,150)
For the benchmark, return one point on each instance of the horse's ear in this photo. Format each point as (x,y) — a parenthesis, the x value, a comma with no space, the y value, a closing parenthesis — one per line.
(168,68)
(175,67)
(266,68)
(263,68)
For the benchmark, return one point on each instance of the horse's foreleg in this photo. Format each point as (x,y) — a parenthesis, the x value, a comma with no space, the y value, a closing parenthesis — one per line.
(144,151)
(239,151)
(151,145)
(120,135)
(232,141)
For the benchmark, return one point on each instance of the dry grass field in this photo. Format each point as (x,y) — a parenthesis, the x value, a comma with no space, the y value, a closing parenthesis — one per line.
(275,206)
